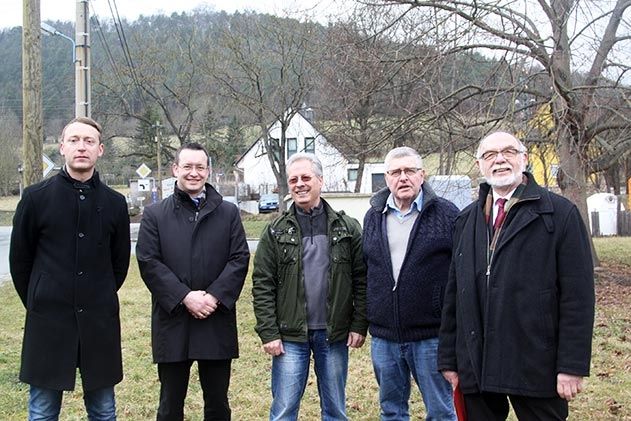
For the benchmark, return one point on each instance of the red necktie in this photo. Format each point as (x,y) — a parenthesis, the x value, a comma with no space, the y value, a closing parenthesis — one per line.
(501,214)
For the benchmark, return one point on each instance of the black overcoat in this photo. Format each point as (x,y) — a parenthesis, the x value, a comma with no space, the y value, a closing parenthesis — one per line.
(69,256)
(533,317)
(181,249)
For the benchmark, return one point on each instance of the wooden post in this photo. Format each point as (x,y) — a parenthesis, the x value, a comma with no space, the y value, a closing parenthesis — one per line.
(32,128)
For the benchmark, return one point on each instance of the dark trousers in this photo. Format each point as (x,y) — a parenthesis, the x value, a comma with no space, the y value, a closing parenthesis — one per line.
(214,377)
(494,406)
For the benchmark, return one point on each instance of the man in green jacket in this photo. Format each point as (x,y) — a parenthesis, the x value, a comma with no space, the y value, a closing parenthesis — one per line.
(309,288)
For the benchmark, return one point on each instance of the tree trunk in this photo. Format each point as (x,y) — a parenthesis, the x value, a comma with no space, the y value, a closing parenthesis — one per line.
(612,179)
(572,180)
(360,173)
(32,129)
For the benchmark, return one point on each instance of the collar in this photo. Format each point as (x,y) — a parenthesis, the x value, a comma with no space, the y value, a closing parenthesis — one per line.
(88,184)
(201,195)
(185,197)
(313,212)
(513,197)
(507,197)
(416,204)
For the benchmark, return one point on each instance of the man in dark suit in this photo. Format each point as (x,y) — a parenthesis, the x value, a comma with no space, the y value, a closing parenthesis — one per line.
(193,257)
(69,256)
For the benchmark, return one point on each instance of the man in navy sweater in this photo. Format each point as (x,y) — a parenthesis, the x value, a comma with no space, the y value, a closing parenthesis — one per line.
(407,247)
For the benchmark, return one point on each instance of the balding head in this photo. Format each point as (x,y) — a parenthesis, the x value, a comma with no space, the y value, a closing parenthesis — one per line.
(502,137)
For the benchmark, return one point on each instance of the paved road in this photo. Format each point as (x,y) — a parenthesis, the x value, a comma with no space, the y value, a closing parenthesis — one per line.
(5,235)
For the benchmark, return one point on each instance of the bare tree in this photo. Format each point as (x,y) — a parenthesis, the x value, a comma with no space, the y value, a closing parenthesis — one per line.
(10,142)
(357,82)
(161,73)
(564,53)
(266,70)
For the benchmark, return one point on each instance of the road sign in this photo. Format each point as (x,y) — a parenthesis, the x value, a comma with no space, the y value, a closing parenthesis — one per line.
(47,165)
(143,171)
(144,185)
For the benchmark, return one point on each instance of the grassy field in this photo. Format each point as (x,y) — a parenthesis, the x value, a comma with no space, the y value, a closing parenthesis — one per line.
(607,395)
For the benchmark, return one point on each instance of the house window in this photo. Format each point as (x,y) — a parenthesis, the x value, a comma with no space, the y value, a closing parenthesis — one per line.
(292,146)
(352,174)
(309,144)
(275,146)
(378,182)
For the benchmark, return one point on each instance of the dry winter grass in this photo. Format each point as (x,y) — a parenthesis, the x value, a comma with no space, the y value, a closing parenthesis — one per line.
(607,395)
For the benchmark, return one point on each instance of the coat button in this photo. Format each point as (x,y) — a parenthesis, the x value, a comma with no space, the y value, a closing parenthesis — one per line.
(81,197)
(79,310)
(81,235)
(79,273)
(191,219)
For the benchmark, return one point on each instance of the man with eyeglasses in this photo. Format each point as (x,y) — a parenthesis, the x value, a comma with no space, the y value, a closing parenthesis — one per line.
(69,256)
(407,248)
(309,289)
(193,257)
(519,306)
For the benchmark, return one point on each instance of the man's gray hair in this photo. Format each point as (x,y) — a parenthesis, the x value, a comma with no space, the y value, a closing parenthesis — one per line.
(478,152)
(316,165)
(402,152)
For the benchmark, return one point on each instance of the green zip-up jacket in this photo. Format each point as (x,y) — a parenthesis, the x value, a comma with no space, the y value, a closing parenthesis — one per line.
(278,281)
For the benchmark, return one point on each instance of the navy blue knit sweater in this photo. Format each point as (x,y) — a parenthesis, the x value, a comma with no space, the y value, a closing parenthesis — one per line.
(411,312)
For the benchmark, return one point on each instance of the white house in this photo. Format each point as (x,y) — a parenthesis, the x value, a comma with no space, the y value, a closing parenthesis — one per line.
(339,174)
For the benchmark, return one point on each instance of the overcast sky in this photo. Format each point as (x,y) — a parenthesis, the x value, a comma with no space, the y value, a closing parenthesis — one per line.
(64,10)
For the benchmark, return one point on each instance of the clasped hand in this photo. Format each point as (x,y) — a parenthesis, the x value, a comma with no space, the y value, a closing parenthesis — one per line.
(200,304)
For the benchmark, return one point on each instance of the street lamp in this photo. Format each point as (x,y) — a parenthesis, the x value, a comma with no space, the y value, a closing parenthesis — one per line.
(49,30)
(81,59)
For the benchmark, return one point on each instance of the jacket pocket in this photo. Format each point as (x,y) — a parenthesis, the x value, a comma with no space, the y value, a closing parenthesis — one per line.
(341,247)
(289,248)
(32,292)
(547,315)
(437,300)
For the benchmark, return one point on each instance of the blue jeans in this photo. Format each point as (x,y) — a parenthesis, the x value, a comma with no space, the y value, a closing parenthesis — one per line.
(45,404)
(393,363)
(291,369)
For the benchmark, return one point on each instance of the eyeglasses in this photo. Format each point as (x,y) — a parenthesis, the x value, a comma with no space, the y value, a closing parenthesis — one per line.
(408,171)
(88,141)
(190,167)
(294,180)
(506,153)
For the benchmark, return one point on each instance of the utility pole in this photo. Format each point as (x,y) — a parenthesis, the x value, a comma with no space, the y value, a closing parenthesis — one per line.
(83,96)
(32,130)
(158,159)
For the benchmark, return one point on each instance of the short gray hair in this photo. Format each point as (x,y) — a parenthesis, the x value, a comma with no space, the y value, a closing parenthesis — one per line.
(402,152)
(316,165)
(522,147)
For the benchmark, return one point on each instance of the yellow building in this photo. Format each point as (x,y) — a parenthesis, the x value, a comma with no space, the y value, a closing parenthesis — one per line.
(543,163)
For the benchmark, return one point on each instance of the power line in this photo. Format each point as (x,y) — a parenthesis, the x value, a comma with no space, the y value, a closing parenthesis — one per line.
(106,48)
(123,40)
